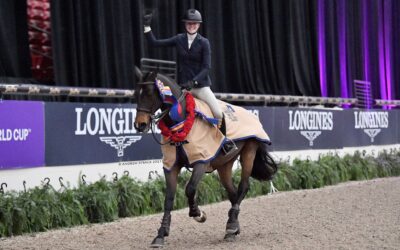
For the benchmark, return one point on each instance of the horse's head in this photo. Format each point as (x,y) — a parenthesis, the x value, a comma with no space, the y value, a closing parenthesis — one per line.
(147,98)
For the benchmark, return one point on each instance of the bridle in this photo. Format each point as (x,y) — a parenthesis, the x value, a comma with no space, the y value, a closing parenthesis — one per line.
(156,118)
(144,110)
(151,112)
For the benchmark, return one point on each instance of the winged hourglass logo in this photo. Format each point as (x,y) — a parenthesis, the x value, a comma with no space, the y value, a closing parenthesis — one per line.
(310,135)
(120,142)
(372,133)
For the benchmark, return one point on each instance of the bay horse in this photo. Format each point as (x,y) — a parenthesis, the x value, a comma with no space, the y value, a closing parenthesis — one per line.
(254,158)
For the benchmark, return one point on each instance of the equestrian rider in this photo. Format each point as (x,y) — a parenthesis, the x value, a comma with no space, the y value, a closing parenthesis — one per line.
(194,63)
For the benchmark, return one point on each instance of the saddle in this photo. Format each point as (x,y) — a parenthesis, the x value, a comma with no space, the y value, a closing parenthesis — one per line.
(205,140)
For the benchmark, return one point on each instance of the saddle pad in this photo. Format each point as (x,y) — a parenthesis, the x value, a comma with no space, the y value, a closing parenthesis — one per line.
(205,140)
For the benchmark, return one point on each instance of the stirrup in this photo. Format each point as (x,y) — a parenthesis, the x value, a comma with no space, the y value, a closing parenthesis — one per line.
(229,146)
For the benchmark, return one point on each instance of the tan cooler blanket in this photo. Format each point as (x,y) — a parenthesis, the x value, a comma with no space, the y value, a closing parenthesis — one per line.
(205,140)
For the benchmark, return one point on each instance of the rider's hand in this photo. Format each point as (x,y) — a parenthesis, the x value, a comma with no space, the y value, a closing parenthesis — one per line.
(188,85)
(147,19)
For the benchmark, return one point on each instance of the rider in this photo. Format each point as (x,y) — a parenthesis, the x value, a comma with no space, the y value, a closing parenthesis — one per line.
(194,63)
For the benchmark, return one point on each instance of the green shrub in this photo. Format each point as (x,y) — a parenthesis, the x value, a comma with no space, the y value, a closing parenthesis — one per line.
(43,208)
(99,201)
(287,177)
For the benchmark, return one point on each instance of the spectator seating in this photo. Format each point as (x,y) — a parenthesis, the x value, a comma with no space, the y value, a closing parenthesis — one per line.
(39,23)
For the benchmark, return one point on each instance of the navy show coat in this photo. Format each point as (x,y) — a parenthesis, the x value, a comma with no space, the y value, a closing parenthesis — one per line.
(194,63)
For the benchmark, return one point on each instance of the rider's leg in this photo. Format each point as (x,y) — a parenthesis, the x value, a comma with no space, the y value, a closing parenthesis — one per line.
(205,94)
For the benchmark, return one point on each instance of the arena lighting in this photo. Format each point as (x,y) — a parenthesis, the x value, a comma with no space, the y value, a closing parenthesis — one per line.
(341,13)
(365,36)
(321,48)
(384,49)
(387,32)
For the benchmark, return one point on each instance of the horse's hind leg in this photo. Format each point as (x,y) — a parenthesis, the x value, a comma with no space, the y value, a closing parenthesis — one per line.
(171,179)
(246,159)
(225,176)
(191,187)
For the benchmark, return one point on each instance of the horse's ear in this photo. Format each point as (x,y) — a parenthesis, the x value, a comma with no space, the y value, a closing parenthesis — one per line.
(138,74)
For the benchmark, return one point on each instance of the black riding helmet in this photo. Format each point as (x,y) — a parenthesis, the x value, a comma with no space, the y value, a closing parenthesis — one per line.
(192,15)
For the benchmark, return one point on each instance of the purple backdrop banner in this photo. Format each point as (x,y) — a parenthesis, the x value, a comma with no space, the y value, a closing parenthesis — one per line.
(21,134)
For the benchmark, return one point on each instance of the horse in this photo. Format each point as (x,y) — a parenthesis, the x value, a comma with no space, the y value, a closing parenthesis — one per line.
(254,157)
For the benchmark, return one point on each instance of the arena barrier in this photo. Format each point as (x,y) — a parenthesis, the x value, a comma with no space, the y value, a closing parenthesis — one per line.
(59,134)
(43,90)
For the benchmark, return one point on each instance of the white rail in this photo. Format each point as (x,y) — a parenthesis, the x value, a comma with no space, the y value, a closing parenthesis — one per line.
(43,90)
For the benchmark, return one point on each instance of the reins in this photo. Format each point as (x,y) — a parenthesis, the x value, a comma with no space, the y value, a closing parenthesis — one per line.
(155,119)
(153,134)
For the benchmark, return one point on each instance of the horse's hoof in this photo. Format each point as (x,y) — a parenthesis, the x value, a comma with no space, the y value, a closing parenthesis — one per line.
(233,228)
(230,237)
(202,218)
(157,242)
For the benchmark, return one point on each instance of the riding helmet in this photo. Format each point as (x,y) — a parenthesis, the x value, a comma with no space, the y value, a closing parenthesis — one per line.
(192,15)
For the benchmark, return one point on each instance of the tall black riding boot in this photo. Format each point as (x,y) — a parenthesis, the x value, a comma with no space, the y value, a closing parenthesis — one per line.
(229,145)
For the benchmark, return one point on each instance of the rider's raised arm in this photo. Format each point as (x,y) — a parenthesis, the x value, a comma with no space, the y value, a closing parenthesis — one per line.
(160,42)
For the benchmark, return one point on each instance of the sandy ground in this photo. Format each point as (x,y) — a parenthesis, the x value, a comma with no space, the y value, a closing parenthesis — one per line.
(353,215)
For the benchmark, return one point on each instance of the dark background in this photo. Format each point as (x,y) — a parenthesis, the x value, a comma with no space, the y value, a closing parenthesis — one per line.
(258,46)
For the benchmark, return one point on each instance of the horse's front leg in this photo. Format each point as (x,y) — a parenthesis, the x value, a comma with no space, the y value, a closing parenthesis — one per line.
(191,187)
(171,179)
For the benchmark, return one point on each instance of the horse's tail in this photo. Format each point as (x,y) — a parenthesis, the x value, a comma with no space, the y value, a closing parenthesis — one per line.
(264,166)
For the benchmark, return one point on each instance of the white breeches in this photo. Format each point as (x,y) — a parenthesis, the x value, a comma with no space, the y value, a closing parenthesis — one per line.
(205,94)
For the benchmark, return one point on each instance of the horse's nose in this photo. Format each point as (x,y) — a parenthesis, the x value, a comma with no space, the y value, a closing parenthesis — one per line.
(142,127)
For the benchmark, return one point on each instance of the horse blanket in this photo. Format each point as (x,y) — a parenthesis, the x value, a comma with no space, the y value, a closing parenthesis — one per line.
(205,140)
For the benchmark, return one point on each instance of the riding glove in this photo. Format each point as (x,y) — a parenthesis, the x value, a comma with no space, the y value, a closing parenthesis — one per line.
(189,85)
